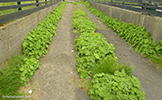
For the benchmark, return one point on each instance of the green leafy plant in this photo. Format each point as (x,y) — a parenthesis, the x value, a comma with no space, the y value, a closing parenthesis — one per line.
(133,34)
(92,48)
(82,23)
(96,60)
(27,68)
(37,41)
(119,86)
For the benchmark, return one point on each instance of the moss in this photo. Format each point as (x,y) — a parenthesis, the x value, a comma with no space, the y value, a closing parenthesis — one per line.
(139,19)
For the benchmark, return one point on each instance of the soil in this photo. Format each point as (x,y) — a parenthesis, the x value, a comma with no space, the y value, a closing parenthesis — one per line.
(57,78)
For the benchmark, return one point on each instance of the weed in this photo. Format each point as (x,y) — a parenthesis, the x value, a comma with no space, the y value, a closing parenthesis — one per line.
(157,60)
(10,78)
(109,66)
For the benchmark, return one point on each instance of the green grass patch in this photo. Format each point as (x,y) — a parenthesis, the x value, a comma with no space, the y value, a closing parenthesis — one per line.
(10,77)
(15,3)
(10,10)
(109,66)
(157,60)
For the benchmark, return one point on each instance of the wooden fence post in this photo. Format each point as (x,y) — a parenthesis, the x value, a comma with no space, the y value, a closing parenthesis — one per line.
(111,2)
(19,3)
(45,0)
(123,4)
(37,2)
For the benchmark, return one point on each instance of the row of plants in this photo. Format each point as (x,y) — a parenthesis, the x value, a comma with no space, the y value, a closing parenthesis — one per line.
(21,68)
(133,34)
(137,36)
(96,60)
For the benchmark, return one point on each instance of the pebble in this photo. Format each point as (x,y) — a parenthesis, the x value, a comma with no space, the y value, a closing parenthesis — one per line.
(30,91)
(130,48)
(33,89)
(147,82)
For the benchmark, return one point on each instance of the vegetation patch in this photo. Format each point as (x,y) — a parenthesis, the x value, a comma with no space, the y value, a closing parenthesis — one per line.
(79,20)
(92,46)
(21,68)
(137,36)
(109,65)
(96,60)
(119,86)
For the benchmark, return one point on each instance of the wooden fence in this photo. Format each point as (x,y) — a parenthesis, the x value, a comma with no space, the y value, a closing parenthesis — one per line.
(38,5)
(150,7)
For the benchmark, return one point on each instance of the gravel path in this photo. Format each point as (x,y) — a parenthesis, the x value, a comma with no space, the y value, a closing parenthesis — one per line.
(57,78)
(149,76)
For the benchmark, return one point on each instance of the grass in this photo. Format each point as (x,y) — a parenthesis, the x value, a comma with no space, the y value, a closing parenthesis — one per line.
(109,66)
(10,78)
(10,10)
(85,85)
(157,60)
(15,3)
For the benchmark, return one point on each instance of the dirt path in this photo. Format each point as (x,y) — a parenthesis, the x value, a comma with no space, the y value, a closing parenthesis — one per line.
(57,78)
(149,76)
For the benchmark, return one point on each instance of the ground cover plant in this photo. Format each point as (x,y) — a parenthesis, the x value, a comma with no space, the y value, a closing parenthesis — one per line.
(96,60)
(118,86)
(10,77)
(37,41)
(79,20)
(21,68)
(92,46)
(137,36)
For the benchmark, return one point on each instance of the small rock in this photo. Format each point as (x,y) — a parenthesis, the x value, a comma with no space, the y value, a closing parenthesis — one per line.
(71,72)
(72,50)
(130,48)
(33,89)
(39,89)
(147,82)
(30,91)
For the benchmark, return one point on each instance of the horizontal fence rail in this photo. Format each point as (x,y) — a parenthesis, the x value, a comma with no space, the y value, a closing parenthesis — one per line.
(36,5)
(150,7)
